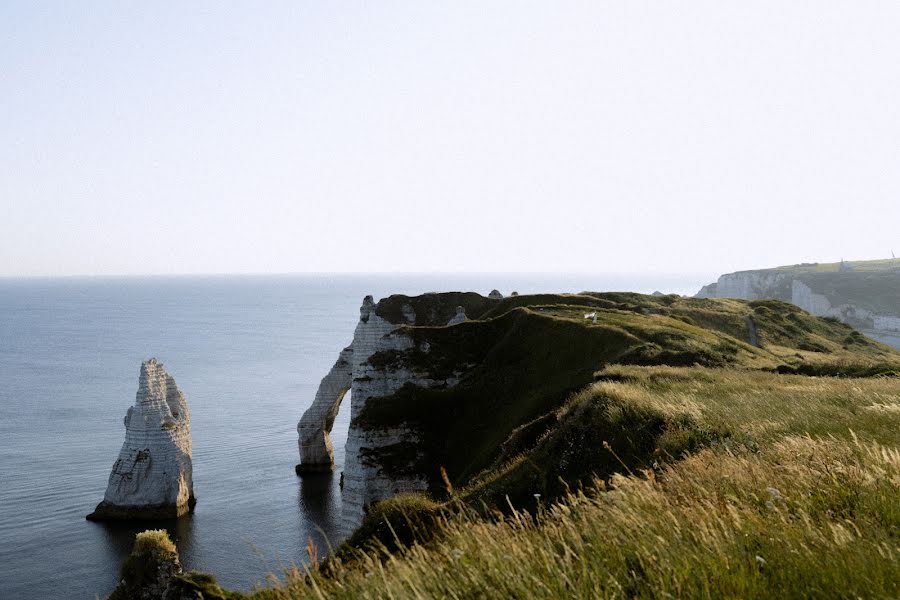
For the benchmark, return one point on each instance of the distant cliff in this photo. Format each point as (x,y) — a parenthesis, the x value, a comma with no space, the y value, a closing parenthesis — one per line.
(864,294)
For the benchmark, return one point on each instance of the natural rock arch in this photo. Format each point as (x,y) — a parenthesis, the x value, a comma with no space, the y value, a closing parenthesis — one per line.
(314,428)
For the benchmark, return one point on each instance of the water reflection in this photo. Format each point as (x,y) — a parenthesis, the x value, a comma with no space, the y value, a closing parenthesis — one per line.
(319,504)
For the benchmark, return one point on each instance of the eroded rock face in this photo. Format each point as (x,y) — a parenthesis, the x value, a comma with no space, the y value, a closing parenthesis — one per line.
(459,317)
(153,476)
(363,481)
(314,428)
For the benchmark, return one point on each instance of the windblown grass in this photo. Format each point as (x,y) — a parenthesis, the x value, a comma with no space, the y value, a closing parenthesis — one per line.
(649,452)
(806,518)
(649,415)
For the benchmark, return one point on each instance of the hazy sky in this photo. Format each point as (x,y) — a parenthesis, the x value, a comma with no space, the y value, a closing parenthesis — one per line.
(147,137)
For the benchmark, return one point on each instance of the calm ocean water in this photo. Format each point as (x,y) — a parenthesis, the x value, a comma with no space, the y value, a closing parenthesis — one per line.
(247,351)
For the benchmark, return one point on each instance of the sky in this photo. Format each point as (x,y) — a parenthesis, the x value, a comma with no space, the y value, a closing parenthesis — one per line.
(302,136)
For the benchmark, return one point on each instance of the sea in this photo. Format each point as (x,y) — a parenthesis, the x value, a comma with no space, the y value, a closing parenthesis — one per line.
(248,352)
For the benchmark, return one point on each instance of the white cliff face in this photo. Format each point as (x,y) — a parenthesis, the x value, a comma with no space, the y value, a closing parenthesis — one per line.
(749,285)
(314,428)
(803,296)
(364,482)
(153,476)
(818,304)
(459,317)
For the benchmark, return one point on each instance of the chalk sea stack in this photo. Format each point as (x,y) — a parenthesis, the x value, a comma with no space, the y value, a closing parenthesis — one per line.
(152,478)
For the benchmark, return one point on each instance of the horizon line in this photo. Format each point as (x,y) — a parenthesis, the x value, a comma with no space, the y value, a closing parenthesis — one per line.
(332,273)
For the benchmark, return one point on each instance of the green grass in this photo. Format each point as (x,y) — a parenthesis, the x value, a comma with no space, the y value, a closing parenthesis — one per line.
(658,414)
(887,264)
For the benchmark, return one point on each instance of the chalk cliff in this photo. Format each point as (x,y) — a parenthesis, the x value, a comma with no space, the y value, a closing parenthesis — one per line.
(380,330)
(152,478)
(864,294)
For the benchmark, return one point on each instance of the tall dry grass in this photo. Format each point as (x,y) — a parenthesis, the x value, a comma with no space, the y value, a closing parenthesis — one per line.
(805,518)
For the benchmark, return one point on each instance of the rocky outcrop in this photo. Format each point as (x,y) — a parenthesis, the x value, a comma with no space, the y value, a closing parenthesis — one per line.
(365,480)
(752,336)
(314,428)
(153,571)
(710,290)
(495,295)
(152,478)
(459,317)
(382,329)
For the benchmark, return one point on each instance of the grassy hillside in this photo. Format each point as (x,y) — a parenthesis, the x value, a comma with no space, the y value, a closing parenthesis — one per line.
(651,452)
(528,354)
(792,493)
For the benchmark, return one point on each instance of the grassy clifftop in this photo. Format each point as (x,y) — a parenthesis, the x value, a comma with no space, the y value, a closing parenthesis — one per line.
(662,447)
(866,266)
(790,491)
(526,355)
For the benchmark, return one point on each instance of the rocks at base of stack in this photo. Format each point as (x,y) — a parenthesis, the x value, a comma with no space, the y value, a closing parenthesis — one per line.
(153,571)
(153,476)
(384,329)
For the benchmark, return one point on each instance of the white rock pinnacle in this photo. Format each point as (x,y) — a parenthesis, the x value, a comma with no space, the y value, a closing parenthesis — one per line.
(152,478)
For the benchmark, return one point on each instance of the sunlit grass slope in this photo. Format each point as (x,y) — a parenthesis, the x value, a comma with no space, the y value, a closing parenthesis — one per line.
(806,518)
(711,483)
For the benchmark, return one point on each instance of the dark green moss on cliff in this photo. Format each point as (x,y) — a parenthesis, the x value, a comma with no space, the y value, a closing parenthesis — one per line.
(432,309)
